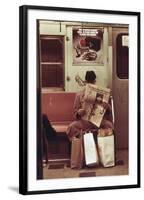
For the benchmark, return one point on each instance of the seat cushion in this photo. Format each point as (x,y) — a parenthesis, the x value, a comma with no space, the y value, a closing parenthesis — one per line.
(61,127)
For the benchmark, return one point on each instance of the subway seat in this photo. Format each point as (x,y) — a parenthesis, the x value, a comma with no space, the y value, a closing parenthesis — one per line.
(58,106)
(61,127)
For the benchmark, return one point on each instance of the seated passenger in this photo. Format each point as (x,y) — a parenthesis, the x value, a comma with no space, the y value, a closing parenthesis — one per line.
(48,130)
(83,125)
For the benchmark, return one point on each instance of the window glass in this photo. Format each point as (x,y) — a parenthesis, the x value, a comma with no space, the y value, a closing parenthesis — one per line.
(52,62)
(52,75)
(122,56)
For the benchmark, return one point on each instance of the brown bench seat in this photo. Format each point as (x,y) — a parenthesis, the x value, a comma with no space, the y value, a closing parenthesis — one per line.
(61,127)
(58,107)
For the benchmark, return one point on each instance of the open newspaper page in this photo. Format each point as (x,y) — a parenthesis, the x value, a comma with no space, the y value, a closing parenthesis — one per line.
(93,103)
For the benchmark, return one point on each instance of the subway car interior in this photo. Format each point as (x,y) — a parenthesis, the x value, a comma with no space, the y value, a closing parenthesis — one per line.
(65,52)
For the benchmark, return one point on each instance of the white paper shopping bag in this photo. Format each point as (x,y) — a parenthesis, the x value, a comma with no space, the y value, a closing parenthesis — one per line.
(106,150)
(90,150)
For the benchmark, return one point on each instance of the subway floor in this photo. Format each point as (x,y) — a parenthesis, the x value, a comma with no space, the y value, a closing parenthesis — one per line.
(61,168)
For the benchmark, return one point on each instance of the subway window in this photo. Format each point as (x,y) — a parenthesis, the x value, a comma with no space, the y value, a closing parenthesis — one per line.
(52,61)
(122,55)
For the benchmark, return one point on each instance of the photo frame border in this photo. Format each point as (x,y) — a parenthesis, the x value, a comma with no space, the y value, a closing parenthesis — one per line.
(23,97)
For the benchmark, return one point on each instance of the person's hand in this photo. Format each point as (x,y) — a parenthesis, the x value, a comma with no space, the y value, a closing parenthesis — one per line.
(81,112)
(105,105)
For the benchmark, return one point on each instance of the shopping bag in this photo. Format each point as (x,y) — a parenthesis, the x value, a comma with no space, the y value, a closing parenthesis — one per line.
(106,150)
(90,150)
(77,155)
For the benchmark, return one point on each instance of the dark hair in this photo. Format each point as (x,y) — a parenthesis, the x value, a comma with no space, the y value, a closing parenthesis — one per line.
(90,76)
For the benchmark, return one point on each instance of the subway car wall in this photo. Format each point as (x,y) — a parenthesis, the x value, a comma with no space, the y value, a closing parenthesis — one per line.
(68,49)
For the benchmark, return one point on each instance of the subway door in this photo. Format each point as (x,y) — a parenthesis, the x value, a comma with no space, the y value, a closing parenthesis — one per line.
(120,85)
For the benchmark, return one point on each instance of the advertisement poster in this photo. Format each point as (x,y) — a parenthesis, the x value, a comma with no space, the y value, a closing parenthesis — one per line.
(87,45)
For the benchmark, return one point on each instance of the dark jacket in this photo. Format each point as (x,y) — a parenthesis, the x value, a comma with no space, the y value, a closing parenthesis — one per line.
(48,130)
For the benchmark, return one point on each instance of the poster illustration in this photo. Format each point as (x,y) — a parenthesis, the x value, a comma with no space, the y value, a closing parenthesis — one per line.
(87,45)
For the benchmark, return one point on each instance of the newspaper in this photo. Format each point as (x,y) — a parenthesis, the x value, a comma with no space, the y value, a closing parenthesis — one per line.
(94,98)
